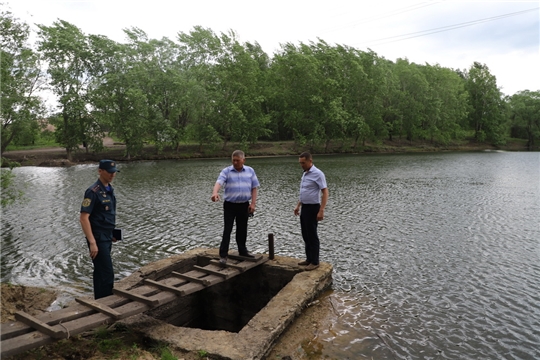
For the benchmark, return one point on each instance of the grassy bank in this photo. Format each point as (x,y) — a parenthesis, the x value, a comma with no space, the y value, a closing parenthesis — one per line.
(55,156)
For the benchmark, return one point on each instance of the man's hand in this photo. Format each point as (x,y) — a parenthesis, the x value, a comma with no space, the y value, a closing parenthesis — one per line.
(93,250)
(215,197)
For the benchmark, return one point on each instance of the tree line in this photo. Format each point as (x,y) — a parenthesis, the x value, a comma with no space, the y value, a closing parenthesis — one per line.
(212,89)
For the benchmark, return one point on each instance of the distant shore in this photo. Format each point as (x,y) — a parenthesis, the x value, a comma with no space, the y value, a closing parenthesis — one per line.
(58,156)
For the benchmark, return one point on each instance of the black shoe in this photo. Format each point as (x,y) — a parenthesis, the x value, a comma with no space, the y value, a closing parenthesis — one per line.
(247,254)
(223,262)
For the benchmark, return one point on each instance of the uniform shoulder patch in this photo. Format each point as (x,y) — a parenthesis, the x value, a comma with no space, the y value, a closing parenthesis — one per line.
(86,202)
(95,188)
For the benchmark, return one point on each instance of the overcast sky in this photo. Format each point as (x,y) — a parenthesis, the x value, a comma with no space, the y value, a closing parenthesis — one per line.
(504,35)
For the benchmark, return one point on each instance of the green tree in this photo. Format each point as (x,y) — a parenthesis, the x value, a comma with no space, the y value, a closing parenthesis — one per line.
(364,83)
(199,52)
(69,58)
(236,92)
(251,62)
(486,115)
(21,80)
(119,101)
(298,99)
(447,105)
(231,75)
(412,98)
(169,87)
(391,99)
(333,116)
(524,110)
(151,75)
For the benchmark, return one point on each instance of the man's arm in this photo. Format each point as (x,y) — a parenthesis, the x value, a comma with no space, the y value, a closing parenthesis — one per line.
(324,200)
(254,193)
(297,208)
(215,192)
(87,230)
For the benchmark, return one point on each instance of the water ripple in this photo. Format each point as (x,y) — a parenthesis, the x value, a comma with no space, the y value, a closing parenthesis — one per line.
(435,255)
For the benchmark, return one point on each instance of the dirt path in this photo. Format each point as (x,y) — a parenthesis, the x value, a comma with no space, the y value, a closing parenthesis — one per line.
(107,142)
(57,156)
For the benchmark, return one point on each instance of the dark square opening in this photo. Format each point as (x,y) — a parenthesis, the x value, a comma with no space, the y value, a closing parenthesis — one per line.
(229,305)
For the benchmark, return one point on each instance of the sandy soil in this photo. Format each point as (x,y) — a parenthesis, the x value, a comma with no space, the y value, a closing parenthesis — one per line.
(30,300)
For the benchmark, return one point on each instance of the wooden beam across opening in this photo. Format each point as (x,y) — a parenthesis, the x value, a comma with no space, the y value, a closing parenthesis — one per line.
(256,258)
(211,272)
(136,297)
(194,279)
(100,307)
(165,287)
(40,325)
(239,267)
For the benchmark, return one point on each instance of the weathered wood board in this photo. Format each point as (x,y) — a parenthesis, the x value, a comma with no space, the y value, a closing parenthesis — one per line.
(30,332)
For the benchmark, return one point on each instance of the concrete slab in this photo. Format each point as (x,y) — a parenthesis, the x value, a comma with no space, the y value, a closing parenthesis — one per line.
(257,337)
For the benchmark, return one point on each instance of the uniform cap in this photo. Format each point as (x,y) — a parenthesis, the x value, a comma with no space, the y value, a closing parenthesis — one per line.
(108,165)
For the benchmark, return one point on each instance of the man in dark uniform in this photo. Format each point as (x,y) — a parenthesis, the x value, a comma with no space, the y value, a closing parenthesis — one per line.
(98,219)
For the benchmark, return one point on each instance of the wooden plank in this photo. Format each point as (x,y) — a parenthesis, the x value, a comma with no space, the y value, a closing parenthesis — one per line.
(191,288)
(40,325)
(100,307)
(194,279)
(76,311)
(18,337)
(239,267)
(244,258)
(25,342)
(212,272)
(165,287)
(136,297)
(16,328)
(72,312)
(25,338)
(35,339)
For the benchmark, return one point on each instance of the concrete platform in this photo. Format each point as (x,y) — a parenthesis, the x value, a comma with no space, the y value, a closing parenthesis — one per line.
(240,319)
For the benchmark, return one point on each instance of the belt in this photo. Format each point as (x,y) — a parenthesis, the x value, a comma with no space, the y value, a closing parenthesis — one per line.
(237,202)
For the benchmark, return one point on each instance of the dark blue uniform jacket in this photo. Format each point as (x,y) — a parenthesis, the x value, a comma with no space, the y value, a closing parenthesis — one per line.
(101,205)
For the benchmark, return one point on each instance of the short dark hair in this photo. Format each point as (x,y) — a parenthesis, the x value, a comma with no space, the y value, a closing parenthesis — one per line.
(306,155)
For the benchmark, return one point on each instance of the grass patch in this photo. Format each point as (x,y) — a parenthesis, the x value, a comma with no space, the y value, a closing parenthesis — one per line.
(40,143)
(115,342)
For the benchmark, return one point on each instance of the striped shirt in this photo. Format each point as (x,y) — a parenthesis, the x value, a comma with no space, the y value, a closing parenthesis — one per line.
(313,181)
(237,185)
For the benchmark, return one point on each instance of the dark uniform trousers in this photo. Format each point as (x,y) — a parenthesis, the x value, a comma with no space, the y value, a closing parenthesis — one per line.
(232,212)
(103,269)
(308,224)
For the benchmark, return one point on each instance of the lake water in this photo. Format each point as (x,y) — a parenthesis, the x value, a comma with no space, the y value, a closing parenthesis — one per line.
(436,256)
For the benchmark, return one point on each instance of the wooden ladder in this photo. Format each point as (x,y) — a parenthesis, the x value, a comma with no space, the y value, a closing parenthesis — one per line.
(29,332)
